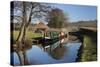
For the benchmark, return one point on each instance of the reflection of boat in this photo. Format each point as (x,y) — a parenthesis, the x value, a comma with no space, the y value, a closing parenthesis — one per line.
(58,52)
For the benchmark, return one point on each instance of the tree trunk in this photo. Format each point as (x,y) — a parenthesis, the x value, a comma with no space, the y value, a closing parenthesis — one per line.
(21,38)
(21,32)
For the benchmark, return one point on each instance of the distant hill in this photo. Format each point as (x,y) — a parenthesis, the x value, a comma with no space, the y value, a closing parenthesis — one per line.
(84,23)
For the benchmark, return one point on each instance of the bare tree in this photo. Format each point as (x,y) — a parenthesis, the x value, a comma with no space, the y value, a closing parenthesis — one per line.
(23,13)
(57,18)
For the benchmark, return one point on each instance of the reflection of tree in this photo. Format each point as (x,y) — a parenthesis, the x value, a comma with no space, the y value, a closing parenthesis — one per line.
(22,57)
(58,52)
(22,54)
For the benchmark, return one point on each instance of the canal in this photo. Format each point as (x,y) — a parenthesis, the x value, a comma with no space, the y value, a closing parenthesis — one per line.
(36,55)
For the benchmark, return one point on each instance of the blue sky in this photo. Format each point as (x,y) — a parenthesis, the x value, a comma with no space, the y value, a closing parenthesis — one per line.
(78,12)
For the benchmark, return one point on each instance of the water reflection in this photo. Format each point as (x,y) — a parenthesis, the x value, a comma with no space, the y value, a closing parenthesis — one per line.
(14,59)
(36,55)
(58,52)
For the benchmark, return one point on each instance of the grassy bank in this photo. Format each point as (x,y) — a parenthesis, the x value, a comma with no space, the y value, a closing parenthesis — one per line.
(88,50)
(29,35)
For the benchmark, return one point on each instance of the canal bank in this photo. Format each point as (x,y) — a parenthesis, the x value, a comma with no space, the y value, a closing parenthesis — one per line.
(88,49)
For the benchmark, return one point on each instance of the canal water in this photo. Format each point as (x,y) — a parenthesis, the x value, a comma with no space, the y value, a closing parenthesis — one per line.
(36,55)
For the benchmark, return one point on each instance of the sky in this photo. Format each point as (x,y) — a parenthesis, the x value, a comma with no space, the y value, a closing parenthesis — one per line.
(78,12)
(75,13)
